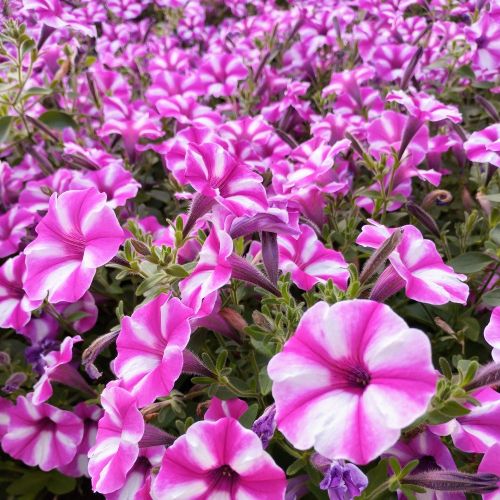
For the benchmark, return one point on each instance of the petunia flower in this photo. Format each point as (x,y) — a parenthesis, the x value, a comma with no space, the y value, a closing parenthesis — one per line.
(42,435)
(416,266)
(13,225)
(150,346)
(218,459)
(309,261)
(492,333)
(78,234)
(219,408)
(491,463)
(483,146)
(15,305)
(350,378)
(118,434)
(221,74)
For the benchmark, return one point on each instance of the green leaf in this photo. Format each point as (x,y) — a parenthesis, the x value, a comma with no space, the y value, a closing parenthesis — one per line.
(376,477)
(492,298)
(59,484)
(453,409)
(77,316)
(31,483)
(471,327)
(176,270)
(466,72)
(5,122)
(471,262)
(36,91)
(57,119)
(248,418)
(265,382)
(295,467)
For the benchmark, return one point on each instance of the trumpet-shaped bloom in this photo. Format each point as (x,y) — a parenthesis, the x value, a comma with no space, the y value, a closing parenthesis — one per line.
(218,459)
(215,173)
(492,333)
(42,435)
(118,434)
(221,73)
(150,347)
(350,378)
(13,225)
(483,146)
(78,234)
(309,261)
(219,408)
(416,265)
(15,305)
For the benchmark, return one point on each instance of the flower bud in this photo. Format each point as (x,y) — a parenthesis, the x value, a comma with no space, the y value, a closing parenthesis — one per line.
(14,382)
(438,197)
(488,375)
(388,283)
(193,365)
(424,217)
(243,270)
(153,436)
(200,205)
(93,350)
(265,425)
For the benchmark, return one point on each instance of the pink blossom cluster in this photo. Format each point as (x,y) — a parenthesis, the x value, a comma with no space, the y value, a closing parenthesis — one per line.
(250,250)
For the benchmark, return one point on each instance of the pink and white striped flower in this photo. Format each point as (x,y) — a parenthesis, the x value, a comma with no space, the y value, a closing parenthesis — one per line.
(78,234)
(13,225)
(15,305)
(219,408)
(42,435)
(483,146)
(221,74)
(416,266)
(309,261)
(350,378)
(492,333)
(218,459)
(118,434)
(150,346)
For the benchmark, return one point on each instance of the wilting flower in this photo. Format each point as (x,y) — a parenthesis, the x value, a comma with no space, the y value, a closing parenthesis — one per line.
(265,425)
(309,261)
(150,347)
(483,146)
(58,369)
(342,480)
(415,265)
(42,435)
(479,429)
(78,234)
(358,372)
(13,225)
(492,333)
(15,305)
(116,448)
(218,459)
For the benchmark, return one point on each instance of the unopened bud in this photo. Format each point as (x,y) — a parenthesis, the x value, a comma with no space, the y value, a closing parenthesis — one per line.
(438,197)
(14,382)
(488,375)
(235,319)
(90,354)
(424,217)
(484,203)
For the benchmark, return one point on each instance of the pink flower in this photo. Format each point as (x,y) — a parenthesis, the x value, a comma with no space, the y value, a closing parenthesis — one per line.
(15,305)
(114,180)
(13,225)
(58,369)
(89,414)
(187,111)
(483,146)
(78,234)
(309,261)
(219,408)
(415,265)
(491,463)
(486,35)
(350,378)
(218,459)
(216,174)
(479,429)
(221,73)
(42,435)
(492,333)
(116,448)
(150,347)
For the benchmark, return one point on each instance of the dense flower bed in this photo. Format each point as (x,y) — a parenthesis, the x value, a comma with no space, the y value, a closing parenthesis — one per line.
(249,250)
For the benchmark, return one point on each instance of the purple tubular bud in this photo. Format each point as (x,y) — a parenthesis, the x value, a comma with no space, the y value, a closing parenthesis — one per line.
(356,145)
(79,161)
(4,358)
(380,255)
(243,270)
(153,436)
(270,254)
(193,365)
(388,283)
(488,375)
(44,35)
(422,216)
(442,480)
(411,128)
(260,222)
(410,69)
(46,130)
(287,138)
(14,382)
(93,89)
(488,107)
(68,375)
(93,350)
(438,197)
(200,205)
(265,425)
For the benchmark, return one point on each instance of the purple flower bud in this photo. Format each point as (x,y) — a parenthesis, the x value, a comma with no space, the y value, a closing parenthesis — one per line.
(342,480)
(93,350)
(200,205)
(443,480)
(153,436)
(421,215)
(193,365)
(488,375)
(14,382)
(265,425)
(412,126)
(438,197)
(388,283)
(410,69)
(243,270)
(4,358)
(270,254)
(488,107)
